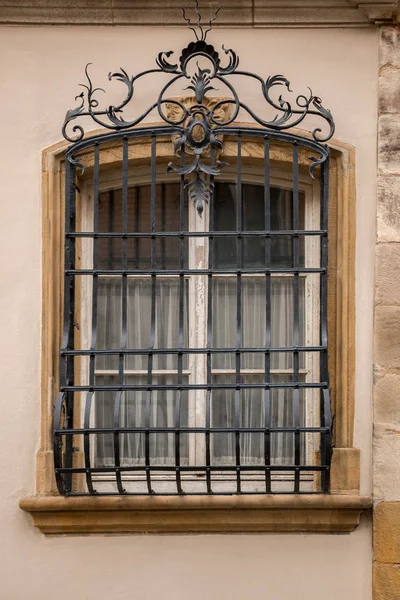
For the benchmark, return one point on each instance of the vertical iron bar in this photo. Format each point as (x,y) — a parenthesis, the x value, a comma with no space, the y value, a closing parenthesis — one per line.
(57,445)
(69,260)
(181,317)
(163,257)
(137,240)
(67,375)
(110,229)
(86,442)
(209,326)
(326,441)
(296,315)
(153,307)
(124,315)
(239,249)
(93,344)
(267,361)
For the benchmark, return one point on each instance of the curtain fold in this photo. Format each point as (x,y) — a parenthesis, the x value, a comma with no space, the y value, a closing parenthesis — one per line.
(133,403)
(253,336)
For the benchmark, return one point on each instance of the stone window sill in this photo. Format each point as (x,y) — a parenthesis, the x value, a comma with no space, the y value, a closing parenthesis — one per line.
(217,514)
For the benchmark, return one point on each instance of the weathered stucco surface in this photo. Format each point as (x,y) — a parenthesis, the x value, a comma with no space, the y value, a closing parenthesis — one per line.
(38,82)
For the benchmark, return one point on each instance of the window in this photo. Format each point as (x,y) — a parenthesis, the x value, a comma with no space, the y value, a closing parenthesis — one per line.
(197,335)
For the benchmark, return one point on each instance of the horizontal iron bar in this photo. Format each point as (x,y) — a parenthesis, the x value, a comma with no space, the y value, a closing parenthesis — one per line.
(277,135)
(104,430)
(168,130)
(194,469)
(192,271)
(211,493)
(198,234)
(146,351)
(194,386)
(185,373)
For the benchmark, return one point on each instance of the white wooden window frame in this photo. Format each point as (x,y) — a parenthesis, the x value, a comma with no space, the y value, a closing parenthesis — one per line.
(198,247)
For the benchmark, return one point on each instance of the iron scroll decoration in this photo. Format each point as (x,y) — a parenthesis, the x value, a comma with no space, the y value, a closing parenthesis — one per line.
(200,124)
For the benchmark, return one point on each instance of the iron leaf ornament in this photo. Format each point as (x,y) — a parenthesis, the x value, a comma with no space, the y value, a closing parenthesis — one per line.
(199,125)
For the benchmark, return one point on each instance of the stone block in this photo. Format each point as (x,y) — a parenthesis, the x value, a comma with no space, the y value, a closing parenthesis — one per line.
(345,471)
(33,15)
(387,274)
(387,337)
(386,582)
(389,90)
(386,401)
(170,15)
(388,209)
(389,144)
(386,467)
(387,532)
(378,11)
(303,15)
(206,8)
(390,46)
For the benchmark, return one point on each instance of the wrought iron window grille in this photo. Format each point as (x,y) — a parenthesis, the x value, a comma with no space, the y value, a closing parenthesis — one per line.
(199,133)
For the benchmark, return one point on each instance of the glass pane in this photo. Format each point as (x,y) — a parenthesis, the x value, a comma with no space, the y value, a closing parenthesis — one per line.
(252,415)
(253,319)
(225,219)
(225,248)
(109,307)
(133,414)
(139,292)
(167,219)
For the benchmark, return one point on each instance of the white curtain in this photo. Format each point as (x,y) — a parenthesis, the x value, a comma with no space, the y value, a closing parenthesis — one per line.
(253,335)
(134,403)
(163,402)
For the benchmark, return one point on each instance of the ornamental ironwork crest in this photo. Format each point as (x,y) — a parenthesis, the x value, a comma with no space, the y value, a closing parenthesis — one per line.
(201,69)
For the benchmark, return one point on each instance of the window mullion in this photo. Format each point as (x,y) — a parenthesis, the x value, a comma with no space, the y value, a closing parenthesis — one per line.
(268,308)
(198,293)
(209,325)
(239,337)
(312,304)
(181,318)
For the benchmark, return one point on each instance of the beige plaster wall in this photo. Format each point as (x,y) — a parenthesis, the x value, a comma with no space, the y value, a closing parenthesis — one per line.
(39,73)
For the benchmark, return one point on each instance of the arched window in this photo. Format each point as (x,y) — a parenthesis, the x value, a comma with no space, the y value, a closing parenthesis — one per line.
(196,345)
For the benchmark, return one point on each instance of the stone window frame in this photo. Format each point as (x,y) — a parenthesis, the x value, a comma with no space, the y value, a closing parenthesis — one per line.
(337,512)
